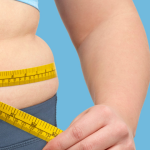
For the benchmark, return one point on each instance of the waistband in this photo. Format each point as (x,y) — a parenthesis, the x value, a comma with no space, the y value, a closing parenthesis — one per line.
(45,111)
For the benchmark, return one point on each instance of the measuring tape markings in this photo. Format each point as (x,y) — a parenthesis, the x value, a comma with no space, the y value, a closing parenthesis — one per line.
(29,75)
(28,123)
(21,119)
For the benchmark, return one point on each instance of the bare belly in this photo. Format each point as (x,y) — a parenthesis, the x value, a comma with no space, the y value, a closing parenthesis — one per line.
(20,48)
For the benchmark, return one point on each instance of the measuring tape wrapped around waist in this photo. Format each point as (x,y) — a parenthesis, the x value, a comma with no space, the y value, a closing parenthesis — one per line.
(29,75)
(21,119)
(28,123)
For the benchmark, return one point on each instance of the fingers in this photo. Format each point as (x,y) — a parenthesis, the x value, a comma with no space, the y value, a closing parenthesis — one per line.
(104,139)
(100,140)
(122,147)
(117,147)
(83,127)
(96,129)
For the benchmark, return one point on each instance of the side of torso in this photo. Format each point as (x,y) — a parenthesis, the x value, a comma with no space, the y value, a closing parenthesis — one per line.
(20,48)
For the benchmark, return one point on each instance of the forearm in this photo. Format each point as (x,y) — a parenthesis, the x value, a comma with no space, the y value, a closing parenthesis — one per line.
(115,61)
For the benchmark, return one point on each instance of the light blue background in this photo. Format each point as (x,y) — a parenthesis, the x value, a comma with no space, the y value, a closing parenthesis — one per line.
(73,94)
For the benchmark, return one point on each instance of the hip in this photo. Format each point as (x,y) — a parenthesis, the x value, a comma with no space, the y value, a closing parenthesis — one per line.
(16,139)
(21,53)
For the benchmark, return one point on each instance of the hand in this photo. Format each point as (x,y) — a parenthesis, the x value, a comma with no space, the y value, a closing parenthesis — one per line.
(97,128)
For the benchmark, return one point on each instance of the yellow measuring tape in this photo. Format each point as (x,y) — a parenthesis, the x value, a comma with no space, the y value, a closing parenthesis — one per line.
(21,119)
(29,75)
(28,123)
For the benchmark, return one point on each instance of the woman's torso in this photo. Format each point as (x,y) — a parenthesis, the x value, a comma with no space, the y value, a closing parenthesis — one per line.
(20,48)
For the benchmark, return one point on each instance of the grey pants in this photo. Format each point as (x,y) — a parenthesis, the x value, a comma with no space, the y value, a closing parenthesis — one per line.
(13,138)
